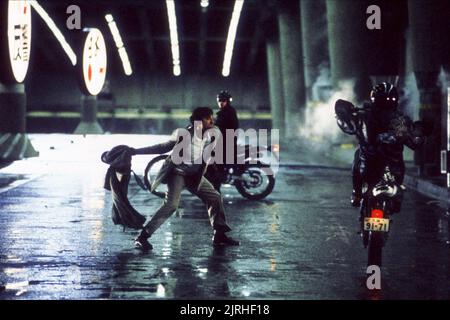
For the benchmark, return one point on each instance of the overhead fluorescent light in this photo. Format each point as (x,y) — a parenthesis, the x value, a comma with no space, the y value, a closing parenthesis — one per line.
(119,44)
(176,70)
(109,18)
(231,37)
(52,26)
(174,37)
(125,61)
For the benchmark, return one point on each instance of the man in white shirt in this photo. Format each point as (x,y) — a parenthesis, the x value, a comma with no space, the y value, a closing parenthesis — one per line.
(185,168)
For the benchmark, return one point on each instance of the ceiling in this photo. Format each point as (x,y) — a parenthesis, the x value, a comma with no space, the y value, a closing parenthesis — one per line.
(144,29)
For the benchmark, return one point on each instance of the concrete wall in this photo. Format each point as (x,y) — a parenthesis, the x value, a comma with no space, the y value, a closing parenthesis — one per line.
(147,90)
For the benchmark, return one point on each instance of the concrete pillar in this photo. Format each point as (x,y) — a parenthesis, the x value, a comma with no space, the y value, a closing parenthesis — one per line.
(88,124)
(448,160)
(386,58)
(347,44)
(275,85)
(444,22)
(314,40)
(13,101)
(292,66)
(14,143)
(426,35)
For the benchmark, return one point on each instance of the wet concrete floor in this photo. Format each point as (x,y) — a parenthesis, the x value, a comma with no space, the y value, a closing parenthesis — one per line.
(57,239)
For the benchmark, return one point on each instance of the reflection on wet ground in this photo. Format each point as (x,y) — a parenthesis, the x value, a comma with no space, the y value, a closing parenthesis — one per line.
(58,241)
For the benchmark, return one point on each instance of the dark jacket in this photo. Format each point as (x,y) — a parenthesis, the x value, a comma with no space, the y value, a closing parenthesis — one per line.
(378,127)
(373,129)
(226,118)
(117,180)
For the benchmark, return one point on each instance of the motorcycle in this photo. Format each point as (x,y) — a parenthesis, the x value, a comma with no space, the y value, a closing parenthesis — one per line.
(382,195)
(378,203)
(254,179)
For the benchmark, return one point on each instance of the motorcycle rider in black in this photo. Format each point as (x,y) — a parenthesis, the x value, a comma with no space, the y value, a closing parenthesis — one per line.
(226,118)
(382,131)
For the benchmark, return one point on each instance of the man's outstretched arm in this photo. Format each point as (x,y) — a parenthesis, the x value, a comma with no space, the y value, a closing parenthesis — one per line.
(155,149)
(159,148)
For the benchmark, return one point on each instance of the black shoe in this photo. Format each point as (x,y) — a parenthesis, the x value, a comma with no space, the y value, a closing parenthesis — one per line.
(142,243)
(220,239)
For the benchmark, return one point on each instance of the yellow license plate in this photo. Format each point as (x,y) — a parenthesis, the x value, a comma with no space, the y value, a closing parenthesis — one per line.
(376,224)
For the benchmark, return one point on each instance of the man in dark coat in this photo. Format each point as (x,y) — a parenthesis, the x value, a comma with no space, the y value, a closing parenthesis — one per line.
(382,130)
(226,118)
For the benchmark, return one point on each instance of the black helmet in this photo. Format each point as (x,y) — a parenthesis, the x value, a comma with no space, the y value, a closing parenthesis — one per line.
(384,95)
(224,95)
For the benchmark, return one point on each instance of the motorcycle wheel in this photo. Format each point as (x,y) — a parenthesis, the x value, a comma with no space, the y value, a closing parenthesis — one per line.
(256,184)
(150,173)
(375,249)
